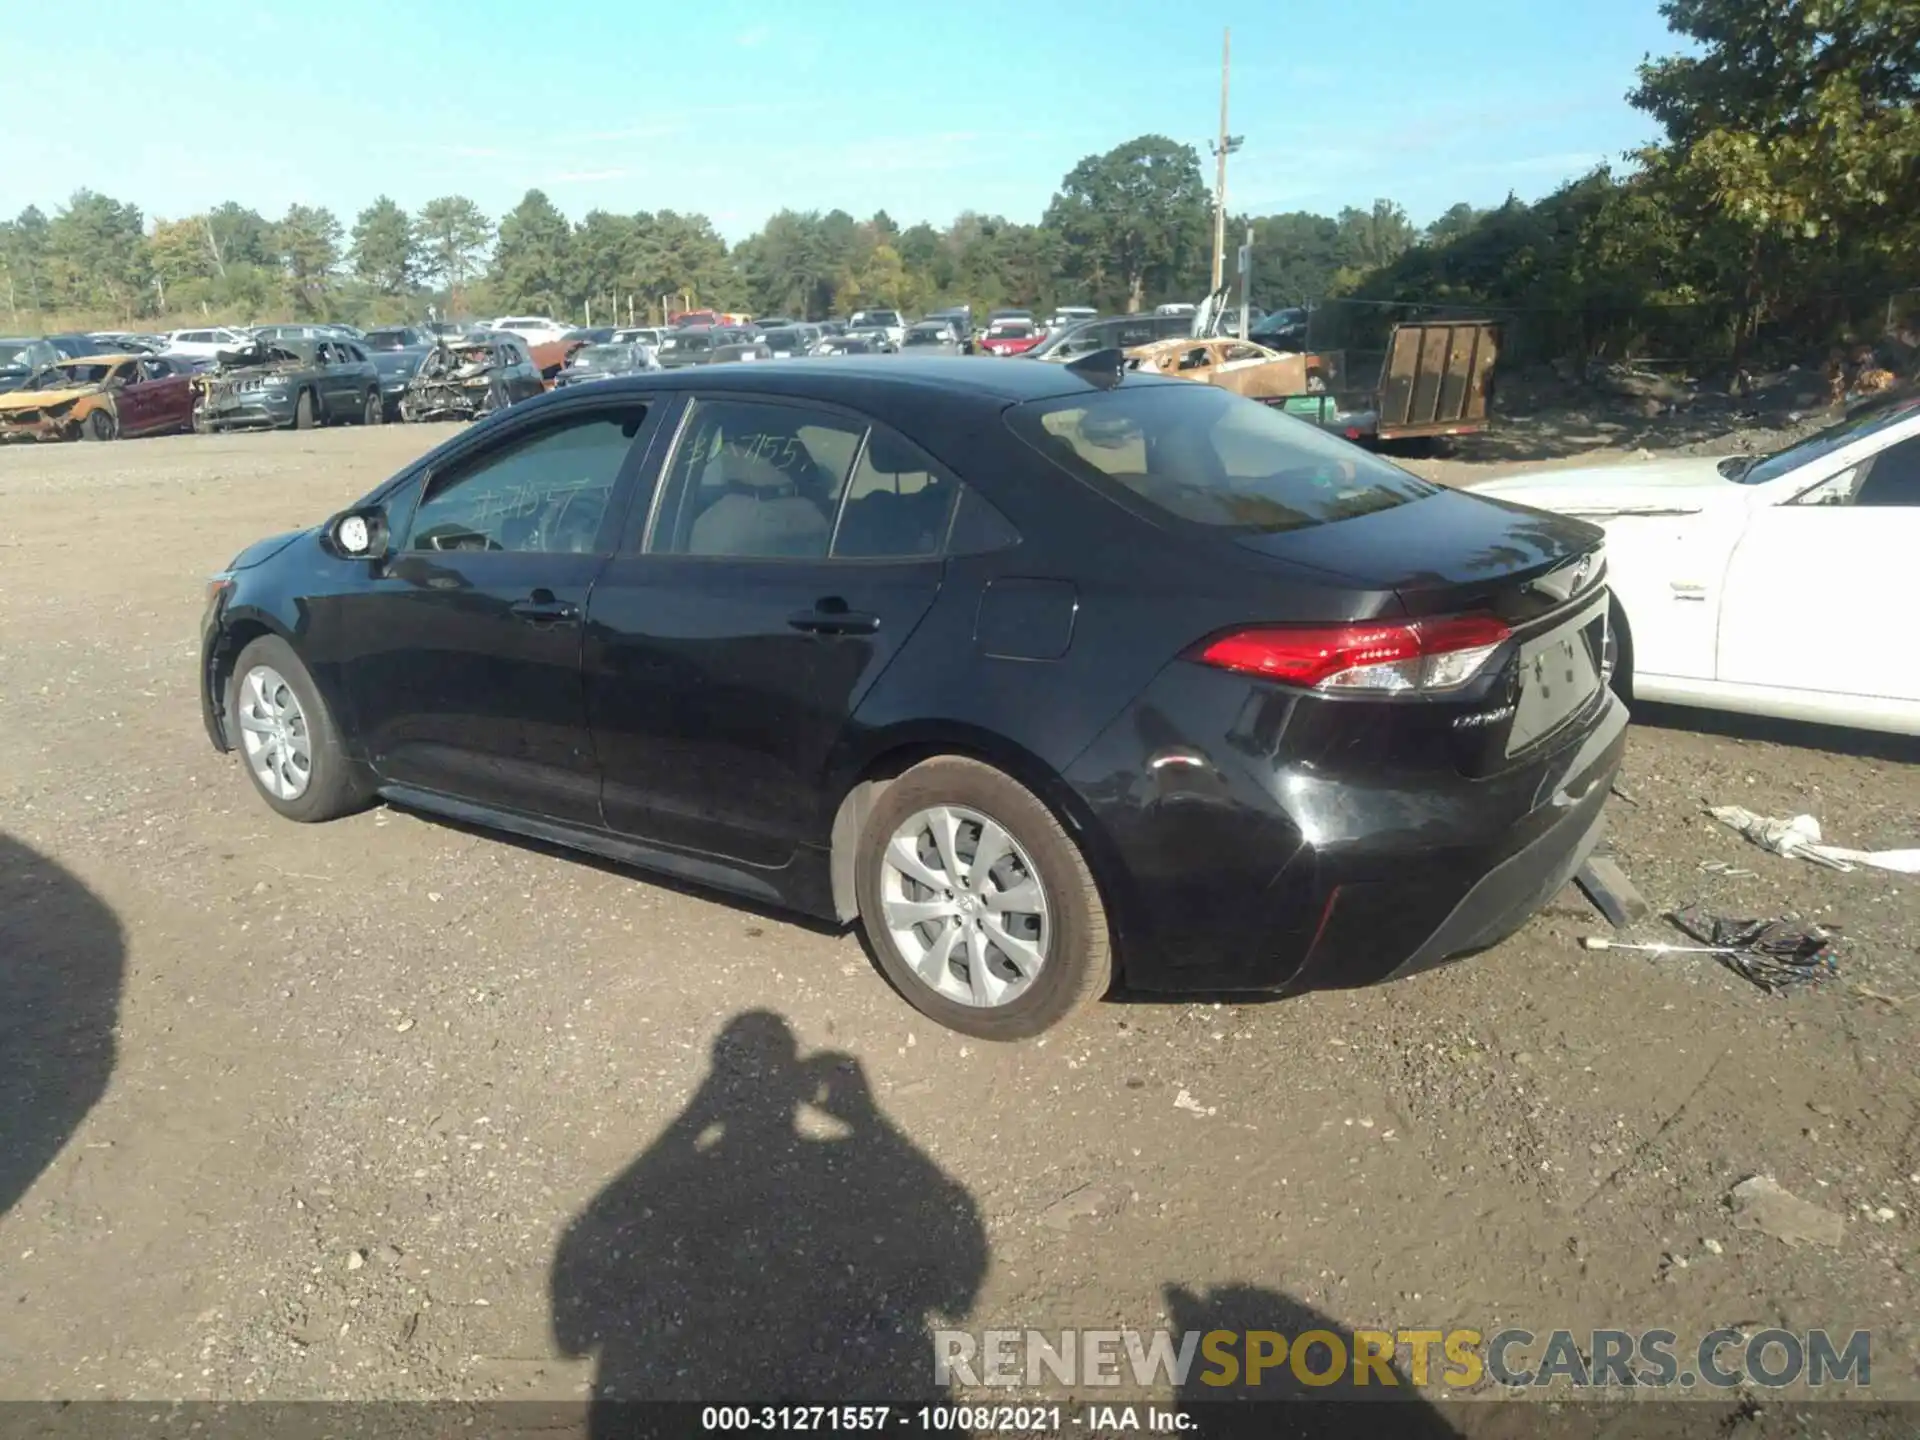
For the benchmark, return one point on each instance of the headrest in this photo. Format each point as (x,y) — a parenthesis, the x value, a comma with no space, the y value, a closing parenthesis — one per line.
(754,472)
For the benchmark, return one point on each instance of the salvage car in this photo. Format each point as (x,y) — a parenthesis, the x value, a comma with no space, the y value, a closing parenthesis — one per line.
(396,353)
(1236,365)
(847,345)
(465,379)
(21,359)
(871,640)
(1115,332)
(1770,584)
(534,329)
(603,362)
(1011,337)
(100,397)
(208,343)
(879,339)
(289,385)
(891,321)
(785,343)
(928,335)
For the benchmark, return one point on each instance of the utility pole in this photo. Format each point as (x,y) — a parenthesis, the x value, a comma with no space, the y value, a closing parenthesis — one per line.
(1222,148)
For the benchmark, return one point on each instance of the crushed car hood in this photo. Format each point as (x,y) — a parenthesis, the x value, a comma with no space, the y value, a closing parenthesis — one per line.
(44,399)
(1681,485)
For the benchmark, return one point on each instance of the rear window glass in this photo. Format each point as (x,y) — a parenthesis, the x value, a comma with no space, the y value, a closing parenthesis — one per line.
(782,339)
(1208,457)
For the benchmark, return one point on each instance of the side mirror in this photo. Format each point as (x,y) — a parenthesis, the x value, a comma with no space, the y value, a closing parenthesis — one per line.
(358,535)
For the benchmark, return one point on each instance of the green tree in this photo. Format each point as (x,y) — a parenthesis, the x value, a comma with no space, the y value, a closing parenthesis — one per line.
(307,243)
(532,260)
(453,234)
(1295,258)
(96,253)
(385,252)
(1453,222)
(1375,237)
(1134,222)
(23,254)
(1792,132)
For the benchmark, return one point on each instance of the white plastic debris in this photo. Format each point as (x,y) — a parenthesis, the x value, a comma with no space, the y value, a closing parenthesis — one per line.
(1799,838)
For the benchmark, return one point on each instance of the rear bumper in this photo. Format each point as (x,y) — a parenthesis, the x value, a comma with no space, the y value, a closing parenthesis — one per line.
(1274,866)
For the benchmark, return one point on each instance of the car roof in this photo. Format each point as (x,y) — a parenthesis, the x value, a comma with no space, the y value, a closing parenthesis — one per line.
(845,379)
(97,359)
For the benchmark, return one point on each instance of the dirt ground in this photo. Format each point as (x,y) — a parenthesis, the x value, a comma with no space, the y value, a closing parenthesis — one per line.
(387,1108)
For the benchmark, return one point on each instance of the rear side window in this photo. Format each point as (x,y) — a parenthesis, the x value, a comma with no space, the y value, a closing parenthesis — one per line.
(756,480)
(897,502)
(1205,456)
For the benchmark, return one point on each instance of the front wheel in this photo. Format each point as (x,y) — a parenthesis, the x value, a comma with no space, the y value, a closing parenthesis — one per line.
(102,424)
(287,737)
(303,411)
(980,908)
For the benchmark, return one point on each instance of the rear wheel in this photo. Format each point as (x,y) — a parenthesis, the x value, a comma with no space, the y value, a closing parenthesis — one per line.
(979,906)
(287,737)
(303,411)
(373,412)
(102,424)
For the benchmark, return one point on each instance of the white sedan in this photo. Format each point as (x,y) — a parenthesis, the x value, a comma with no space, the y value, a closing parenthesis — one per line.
(1774,585)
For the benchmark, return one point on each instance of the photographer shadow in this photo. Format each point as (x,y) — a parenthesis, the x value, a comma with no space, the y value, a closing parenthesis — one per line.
(782,1240)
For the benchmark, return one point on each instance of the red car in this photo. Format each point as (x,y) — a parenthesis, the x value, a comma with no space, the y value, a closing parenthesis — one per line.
(1011,337)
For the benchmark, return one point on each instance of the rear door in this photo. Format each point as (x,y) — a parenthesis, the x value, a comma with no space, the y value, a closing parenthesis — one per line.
(791,551)
(463,651)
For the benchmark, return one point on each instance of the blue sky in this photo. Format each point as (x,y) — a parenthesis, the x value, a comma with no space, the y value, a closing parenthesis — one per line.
(741,107)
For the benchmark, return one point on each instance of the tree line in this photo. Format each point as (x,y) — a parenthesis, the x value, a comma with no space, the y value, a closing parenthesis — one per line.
(1781,205)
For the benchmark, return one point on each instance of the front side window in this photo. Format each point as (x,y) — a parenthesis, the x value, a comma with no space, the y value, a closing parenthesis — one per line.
(545,492)
(1205,456)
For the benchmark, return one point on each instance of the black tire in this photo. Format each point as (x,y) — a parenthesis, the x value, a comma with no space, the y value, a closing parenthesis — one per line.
(1622,639)
(334,787)
(374,412)
(102,424)
(1079,965)
(303,411)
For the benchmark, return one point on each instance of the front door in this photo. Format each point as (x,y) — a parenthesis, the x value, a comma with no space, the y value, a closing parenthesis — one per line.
(465,669)
(134,402)
(1817,594)
(791,552)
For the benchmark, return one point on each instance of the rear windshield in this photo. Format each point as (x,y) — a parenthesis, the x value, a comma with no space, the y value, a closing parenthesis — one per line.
(390,339)
(686,342)
(782,339)
(1206,456)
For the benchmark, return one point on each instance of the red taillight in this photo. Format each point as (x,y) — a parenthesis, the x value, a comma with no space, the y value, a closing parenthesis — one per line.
(1378,656)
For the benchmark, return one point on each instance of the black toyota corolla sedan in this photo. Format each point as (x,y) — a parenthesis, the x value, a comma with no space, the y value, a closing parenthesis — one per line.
(1050,677)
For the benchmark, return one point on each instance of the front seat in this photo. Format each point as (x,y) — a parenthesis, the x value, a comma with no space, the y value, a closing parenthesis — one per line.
(758,513)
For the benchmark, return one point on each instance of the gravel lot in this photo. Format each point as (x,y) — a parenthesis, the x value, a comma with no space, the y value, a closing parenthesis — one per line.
(387,1108)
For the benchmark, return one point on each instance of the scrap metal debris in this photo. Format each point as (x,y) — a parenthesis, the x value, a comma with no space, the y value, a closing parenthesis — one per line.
(1612,893)
(1776,955)
(1800,838)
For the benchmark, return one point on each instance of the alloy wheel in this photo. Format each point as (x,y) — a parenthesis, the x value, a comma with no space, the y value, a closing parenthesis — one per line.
(965,906)
(273,728)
